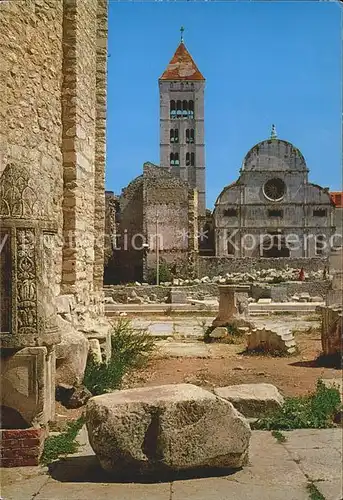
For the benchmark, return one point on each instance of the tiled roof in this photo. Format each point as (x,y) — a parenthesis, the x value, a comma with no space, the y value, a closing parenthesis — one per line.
(182,66)
(337,198)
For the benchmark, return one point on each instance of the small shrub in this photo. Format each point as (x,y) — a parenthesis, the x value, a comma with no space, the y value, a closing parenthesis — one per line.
(315,411)
(164,274)
(63,444)
(130,350)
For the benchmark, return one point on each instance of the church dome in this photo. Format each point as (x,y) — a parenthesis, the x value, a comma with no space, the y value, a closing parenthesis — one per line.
(274,155)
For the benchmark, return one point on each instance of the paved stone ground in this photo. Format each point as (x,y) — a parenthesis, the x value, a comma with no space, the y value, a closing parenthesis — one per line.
(275,472)
(193,328)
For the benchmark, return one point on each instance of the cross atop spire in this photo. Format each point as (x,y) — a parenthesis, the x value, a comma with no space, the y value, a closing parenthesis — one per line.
(273,134)
(182,29)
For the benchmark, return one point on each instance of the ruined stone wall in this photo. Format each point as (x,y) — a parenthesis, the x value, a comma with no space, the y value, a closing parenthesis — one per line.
(165,199)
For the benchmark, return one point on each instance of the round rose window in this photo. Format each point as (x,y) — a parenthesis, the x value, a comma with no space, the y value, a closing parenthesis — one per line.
(274,189)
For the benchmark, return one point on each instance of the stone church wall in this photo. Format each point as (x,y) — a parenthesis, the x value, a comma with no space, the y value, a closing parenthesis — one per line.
(30,114)
(52,141)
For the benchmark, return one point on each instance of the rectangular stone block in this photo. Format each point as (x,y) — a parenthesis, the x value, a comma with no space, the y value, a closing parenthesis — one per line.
(28,383)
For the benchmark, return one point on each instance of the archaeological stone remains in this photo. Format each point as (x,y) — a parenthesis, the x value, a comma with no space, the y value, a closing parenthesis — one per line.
(52,160)
(166,428)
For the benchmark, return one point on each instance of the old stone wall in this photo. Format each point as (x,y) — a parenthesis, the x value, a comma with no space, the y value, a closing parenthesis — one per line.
(83,115)
(30,115)
(52,140)
(214,266)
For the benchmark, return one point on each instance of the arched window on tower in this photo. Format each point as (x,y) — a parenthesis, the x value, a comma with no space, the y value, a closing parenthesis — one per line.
(191,109)
(171,159)
(174,135)
(172,109)
(192,159)
(176,159)
(185,109)
(179,109)
(190,135)
(188,159)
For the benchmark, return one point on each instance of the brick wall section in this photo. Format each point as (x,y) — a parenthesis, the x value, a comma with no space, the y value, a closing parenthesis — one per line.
(82,59)
(100,144)
(21,447)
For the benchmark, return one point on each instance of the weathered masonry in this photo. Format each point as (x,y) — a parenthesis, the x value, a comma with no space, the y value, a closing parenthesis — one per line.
(52,160)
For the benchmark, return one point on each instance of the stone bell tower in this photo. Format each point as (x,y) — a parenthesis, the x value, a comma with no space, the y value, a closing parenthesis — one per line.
(182,145)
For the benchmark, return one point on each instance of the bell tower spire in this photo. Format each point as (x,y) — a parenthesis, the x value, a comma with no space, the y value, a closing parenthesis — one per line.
(182,143)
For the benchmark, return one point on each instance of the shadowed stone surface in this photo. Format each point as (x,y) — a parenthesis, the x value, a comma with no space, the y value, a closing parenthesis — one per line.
(171,427)
(272,473)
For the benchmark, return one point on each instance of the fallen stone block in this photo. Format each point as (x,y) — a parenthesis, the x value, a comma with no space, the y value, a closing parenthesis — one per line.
(95,350)
(166,428)
(71,355)
(252,400)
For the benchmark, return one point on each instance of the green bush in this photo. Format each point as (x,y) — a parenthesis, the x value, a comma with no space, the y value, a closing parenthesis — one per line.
(165,274)
(130,350)
(315,411)
(62,444)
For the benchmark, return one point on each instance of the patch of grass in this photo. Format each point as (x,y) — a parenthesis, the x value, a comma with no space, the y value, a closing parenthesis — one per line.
(280,438)
(130,350)
(63,444)
(314,411)
(314,493)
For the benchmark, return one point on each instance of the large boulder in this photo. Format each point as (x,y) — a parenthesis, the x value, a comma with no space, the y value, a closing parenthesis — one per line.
(71,355)
(164,428)
(252,400)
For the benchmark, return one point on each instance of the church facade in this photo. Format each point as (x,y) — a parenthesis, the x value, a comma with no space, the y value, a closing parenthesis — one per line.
(272,210)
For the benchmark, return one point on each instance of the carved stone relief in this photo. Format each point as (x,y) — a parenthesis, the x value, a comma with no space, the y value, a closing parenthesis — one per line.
(26,282)
(17,196)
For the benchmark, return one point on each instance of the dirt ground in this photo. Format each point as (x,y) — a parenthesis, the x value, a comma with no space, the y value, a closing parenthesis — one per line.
(293,375)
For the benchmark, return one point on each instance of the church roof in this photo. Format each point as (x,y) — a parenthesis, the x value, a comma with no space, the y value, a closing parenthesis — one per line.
(182,66)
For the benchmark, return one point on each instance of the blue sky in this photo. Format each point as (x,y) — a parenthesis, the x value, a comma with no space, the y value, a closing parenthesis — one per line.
(264,63)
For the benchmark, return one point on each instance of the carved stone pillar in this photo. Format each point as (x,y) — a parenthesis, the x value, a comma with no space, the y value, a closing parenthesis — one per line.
(227,303)
(28,328)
